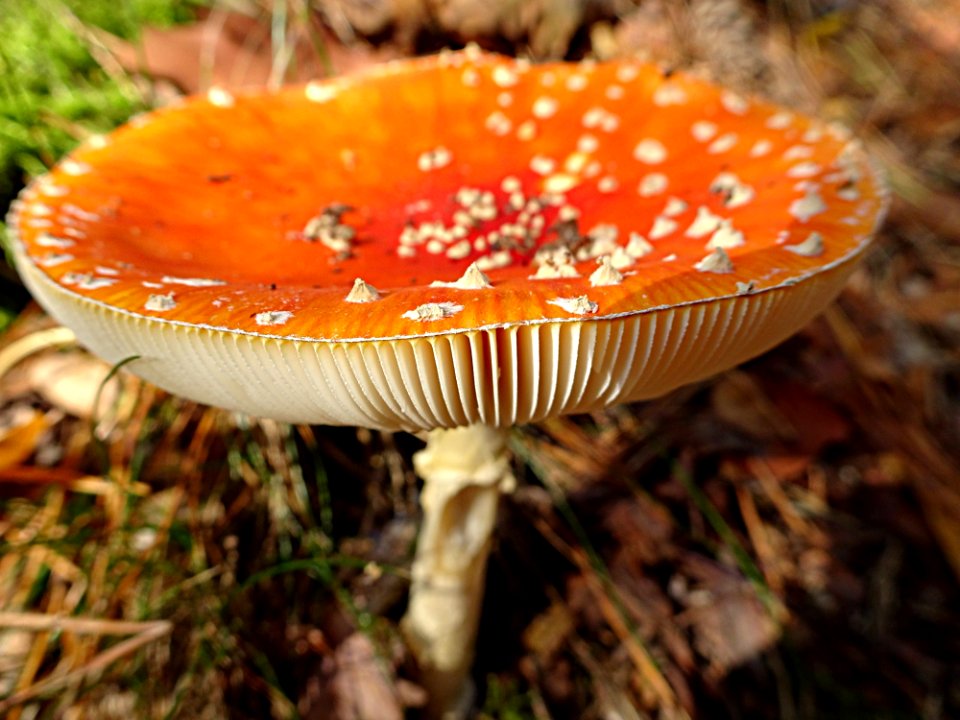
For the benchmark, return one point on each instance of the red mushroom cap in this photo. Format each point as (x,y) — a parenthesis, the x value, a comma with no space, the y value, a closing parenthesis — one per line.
(604,216)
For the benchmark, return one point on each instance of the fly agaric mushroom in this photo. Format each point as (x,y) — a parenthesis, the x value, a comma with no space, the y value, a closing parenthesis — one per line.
(457,244)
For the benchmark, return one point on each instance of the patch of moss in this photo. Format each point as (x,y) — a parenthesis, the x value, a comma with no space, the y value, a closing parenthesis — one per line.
(54,90)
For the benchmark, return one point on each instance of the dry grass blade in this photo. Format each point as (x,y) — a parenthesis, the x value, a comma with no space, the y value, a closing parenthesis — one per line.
(142,633)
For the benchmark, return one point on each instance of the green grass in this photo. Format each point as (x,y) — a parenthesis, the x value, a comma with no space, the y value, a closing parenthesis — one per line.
(57,85)
(54,80)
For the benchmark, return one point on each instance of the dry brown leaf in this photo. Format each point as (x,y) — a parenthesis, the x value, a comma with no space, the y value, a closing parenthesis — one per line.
(232,50)
(548,632)
(729,622)
(70,381)
(361,684)
(19,441)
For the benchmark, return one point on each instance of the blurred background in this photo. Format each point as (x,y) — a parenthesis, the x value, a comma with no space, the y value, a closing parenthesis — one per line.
(782,541)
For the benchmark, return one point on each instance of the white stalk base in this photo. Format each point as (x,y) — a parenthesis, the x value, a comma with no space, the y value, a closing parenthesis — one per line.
(463,472)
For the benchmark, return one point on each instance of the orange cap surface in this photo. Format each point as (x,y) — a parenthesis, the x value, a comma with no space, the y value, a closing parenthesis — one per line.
(470,201)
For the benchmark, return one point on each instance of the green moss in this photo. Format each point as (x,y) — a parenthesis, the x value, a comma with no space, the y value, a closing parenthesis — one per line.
(52,88)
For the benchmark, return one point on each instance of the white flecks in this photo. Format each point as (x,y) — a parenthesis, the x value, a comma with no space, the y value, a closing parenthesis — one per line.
(542,165)
(669,258)
(669,94)
(743,288)
(101,270)
(470,77)
(554,263)
(638,246)
(95,283)
(716,262)
(405,251)
(650,151)
(498,259)
(575,162)
(362,292)
(79,213)
(580,305)
(72,278)
(273,317)
(39,210)
(348,158)
(605,274)
(587,143)
(811,247)
(607,184)
(779,121)
(472,279)
(148,284)
(614,92)
(97,142)
(703,130)
(459,250)
(761,148)
(598,117)
(576,83)
(652,184)
(428,312)
(36,222)
(52,241)
(498,123)
(511,184)
(593,169)
(434,159)
(551,271)
(160,303)
(220,97)
(621,259)
(662,226)
(704,223)
(722,144)
(809,205)
(54,258)
(804,170)
(560,183)
(812,135)
(797,152)
(527,131)
(736,192)
(627,73)
(75,167)
(45,187)
(675,206)
(545,107)
(74,233)
(734,103)
(725,236)
(505,99)
(505,76)
(435,246)
(602,241)
(192,282)
(849,193)
(548,79)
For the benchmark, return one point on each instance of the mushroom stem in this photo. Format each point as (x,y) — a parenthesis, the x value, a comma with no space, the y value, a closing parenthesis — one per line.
(463,472)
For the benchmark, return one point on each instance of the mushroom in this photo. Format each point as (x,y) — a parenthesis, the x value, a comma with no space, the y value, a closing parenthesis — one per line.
(456,244)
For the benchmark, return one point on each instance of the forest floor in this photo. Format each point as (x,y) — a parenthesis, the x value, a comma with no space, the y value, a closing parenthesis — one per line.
(782,541)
